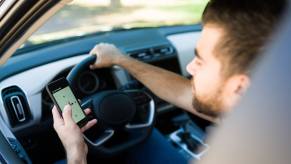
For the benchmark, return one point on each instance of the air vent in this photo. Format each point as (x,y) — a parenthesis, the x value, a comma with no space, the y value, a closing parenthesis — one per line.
(153,53)
(16,105)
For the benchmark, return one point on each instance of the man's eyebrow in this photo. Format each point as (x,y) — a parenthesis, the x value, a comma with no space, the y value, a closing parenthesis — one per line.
(197,54)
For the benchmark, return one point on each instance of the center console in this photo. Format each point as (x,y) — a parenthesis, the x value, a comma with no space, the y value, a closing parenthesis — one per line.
(188,139)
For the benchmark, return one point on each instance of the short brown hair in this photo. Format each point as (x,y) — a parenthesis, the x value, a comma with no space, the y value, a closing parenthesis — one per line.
(247,26)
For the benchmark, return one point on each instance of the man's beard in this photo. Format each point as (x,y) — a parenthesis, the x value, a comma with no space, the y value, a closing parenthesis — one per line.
(211,106)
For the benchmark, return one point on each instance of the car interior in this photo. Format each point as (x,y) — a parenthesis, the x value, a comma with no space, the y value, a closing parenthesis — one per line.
(160,47)
(25,106)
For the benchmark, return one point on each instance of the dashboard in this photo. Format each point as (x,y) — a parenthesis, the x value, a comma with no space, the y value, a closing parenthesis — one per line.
(24,103)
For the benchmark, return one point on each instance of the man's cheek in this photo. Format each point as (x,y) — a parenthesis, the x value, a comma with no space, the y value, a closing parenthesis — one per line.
(197,90)
(207,81)
(199,84)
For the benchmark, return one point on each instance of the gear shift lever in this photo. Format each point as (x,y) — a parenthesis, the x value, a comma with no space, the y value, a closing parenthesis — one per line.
(185,136)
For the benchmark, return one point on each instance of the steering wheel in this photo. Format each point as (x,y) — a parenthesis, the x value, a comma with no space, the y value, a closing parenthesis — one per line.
(125,118)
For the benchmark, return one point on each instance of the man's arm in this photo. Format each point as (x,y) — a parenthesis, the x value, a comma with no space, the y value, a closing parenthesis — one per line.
(167,85)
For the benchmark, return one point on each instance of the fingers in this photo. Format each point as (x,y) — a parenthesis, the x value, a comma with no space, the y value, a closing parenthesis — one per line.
(98,64)
(67,118)
(92,66)
(58,120)
(106,54)
(67,115)
(89,125)
(96,49)
(87,111)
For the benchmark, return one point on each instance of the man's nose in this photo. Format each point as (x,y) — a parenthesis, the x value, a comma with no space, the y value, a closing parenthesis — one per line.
(191,68)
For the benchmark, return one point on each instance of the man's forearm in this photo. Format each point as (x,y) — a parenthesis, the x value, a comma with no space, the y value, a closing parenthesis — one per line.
(167,85)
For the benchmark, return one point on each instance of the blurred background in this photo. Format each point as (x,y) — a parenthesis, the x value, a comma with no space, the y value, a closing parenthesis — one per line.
(82,17)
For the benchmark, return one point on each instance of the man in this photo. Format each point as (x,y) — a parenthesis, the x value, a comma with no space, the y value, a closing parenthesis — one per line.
(233,36)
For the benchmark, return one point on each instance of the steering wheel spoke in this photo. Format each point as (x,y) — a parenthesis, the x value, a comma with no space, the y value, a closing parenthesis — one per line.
(87,103)
(105,136)
(145,112)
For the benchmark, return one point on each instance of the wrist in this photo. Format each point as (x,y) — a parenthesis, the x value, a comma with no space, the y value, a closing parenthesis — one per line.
(77,155)
(77,160)
(120,60)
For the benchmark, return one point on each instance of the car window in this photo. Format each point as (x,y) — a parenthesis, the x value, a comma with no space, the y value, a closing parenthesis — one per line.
(82,17)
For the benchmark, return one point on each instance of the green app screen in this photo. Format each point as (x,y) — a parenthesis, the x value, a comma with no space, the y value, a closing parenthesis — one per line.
(65,96)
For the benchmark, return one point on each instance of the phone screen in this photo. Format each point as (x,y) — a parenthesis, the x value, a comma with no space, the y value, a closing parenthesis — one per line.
(64,96)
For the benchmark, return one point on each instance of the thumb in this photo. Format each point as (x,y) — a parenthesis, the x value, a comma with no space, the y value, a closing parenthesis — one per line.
(92,66)
(95,66)
(67,115)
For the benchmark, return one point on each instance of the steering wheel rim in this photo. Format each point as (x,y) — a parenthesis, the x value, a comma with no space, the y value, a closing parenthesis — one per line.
(140,131)
(77,69)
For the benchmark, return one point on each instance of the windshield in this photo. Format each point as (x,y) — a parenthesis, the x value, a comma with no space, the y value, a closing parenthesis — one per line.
(83,17)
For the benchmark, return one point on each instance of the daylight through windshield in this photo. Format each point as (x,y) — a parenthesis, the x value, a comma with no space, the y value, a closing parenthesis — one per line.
(83,17)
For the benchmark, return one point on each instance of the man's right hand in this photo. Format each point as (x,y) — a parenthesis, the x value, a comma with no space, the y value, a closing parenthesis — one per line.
(107,55)
(71,135)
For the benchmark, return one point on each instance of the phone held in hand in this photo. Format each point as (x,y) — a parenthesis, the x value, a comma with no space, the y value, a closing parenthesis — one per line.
(62,94)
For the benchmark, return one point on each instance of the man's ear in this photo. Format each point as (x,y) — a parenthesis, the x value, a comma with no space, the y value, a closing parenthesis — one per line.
(238,84)
(243,84)
(235,87)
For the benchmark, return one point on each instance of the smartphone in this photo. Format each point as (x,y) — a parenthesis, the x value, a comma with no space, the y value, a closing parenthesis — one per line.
(62,94)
